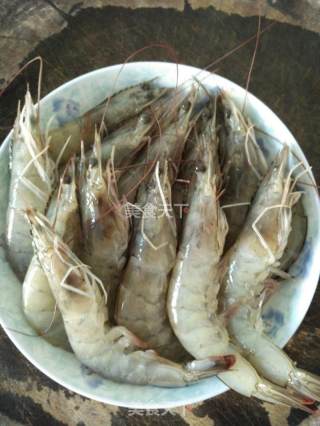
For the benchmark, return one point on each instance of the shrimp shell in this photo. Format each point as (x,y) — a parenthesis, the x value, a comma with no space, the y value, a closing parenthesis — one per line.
(31,184)
(105,225)
(39,304)
(141,300)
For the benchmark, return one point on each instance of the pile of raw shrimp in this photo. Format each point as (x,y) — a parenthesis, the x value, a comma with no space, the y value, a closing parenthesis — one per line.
(152,238)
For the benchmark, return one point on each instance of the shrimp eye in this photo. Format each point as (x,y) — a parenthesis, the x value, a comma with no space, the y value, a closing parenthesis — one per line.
(201,167)
(186,105)
(93,162)
(228,113)
(145,117)
(145,86)
(67,179)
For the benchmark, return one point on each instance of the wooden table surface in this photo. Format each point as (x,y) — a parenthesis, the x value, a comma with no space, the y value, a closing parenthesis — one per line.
(285,76)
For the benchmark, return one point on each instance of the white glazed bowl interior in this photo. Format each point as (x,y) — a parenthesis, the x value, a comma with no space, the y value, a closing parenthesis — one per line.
(284,312)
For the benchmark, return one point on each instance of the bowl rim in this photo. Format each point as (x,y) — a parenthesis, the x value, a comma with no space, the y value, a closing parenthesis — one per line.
(193,70)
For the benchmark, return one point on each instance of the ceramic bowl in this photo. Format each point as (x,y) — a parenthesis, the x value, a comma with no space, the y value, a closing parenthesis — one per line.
(284,312)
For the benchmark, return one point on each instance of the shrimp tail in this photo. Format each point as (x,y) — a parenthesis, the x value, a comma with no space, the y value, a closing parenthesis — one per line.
(305,383)
(277,395)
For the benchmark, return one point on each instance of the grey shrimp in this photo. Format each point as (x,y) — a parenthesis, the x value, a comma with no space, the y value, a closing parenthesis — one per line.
(141,300)
(31,184)
(246,267)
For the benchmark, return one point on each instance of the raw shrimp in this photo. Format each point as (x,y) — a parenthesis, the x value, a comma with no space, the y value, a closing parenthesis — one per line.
(247,265)
(169,144)
(141,300)
(105,224)
(32,180)
(130,138)
(113,352)
(192,299)
(39,304)
(121,106)
(243,165)
(205,127)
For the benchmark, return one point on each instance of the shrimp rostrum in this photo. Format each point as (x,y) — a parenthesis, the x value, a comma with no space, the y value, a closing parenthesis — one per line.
(113,352)
(249,263)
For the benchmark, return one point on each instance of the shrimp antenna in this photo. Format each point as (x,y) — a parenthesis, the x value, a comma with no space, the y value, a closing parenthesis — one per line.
(288,185)
(97,150)
(162,196)
(69,259)
(68,170)
(282,143)
(53,317)
(252,62)
(113,171)
(232,51)
(258,233)
(172,54)
(303,172)
(20,70)
(246,146)
(64,147)
(137,184)
(144,235)
(28,184)
(203,88)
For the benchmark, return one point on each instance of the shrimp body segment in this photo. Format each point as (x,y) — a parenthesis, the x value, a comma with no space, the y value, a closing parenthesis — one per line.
(32,180)
(113,352)
(246,266)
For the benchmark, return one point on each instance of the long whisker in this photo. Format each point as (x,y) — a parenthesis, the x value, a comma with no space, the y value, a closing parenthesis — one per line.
(252,63)
(259,235)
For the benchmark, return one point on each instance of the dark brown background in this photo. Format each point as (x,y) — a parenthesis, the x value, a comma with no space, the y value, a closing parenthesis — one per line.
(286,77)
